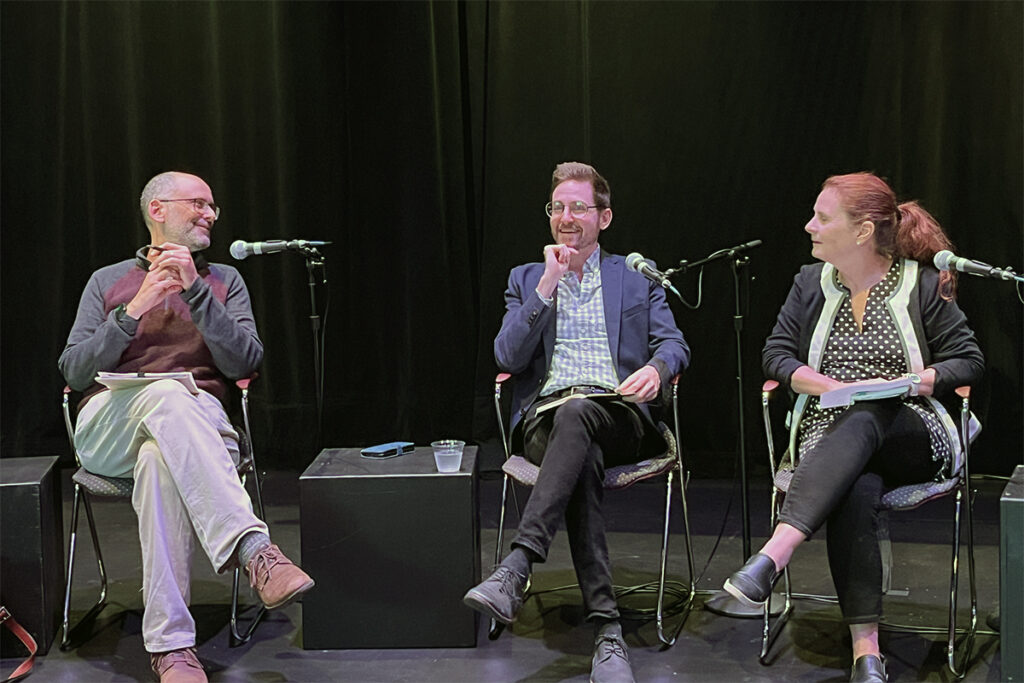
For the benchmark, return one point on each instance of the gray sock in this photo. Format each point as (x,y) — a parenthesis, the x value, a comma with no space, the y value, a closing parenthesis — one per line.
(518,561)
(606,627)
(250,545)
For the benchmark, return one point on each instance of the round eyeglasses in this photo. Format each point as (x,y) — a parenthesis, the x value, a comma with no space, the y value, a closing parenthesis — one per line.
(199,204)
(578,209)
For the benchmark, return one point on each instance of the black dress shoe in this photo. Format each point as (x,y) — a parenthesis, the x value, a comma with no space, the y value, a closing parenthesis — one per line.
(499,596)
(752,584)
(869,669)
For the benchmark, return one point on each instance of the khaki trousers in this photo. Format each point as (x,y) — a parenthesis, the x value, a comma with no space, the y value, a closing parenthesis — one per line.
(182,452)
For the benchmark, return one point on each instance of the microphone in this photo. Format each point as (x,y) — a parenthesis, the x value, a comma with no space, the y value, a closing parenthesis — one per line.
(743,247)
(947,260)
(636,262)
(241,250)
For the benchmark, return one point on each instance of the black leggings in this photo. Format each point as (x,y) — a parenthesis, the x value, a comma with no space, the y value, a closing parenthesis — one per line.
(871,447)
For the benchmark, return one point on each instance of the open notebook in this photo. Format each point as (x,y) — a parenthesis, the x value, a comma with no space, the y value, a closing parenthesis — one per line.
(124,380)
(873,391)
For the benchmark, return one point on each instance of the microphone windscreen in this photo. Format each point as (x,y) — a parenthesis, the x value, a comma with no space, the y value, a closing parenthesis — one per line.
(238,250)
(943,258)
(634,261)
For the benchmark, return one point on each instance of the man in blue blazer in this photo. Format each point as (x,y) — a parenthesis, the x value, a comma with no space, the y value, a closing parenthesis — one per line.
(580,322)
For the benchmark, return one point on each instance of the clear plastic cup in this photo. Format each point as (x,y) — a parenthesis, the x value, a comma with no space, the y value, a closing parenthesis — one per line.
(448,454)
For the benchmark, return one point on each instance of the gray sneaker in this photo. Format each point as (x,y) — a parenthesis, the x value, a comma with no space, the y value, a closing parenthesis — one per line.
(499,596)
(611,663)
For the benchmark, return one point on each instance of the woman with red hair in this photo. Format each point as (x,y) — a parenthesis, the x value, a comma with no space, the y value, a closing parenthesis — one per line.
(874,309)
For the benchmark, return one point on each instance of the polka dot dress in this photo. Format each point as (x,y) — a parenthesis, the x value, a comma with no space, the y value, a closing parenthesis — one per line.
(853,354)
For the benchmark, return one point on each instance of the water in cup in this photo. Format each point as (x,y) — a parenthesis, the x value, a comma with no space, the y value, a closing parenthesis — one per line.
(448,454)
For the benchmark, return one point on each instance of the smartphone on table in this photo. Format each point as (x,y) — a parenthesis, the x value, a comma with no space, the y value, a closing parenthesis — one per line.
(387,450)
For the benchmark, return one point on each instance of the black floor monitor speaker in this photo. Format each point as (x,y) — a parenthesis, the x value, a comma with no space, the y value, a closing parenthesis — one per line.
(1011,577)
(31,551)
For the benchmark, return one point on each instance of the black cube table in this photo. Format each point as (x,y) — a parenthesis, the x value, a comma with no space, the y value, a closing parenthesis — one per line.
(393,545)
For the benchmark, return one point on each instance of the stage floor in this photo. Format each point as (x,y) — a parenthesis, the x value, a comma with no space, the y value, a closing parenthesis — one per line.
(550,642)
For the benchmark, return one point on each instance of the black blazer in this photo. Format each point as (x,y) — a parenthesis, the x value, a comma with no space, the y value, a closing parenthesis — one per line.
(939,329)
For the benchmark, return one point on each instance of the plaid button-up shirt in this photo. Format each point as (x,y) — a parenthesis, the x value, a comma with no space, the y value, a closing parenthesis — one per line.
(581,353)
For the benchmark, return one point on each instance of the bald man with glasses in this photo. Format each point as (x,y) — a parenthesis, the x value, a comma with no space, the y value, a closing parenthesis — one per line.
(170,310)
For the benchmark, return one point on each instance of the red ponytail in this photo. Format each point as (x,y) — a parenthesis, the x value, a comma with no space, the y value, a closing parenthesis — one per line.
(903,231)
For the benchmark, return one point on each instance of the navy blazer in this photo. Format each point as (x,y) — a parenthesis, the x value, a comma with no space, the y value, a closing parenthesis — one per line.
(641,330)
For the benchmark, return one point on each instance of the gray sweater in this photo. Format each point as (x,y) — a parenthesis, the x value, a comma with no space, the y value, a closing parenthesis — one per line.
(207,330)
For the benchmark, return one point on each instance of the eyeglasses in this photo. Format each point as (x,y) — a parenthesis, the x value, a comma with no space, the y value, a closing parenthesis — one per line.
(199,204)
(577,208)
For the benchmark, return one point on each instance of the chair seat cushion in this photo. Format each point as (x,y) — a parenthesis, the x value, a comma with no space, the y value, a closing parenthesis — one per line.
(626,475)
(909,497)
(522,470)
(900,498)
(121,487)
(618,477)
(98,485)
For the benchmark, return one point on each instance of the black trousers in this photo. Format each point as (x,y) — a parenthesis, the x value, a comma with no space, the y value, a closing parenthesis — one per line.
(574,443)
(871,447)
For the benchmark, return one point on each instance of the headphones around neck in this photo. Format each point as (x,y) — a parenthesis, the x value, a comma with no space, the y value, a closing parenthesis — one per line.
(199,257)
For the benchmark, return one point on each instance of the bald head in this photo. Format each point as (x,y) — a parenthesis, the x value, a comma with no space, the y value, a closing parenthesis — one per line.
(160,186)
(170,217)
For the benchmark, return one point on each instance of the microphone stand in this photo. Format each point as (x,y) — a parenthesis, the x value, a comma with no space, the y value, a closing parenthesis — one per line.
(721,602)
(738,263)
(314,260)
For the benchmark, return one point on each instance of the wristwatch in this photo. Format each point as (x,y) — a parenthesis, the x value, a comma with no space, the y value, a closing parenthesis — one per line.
(125,321)
(915,381)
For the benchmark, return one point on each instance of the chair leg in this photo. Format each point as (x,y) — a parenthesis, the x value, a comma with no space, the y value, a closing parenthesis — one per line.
(660,618)
(242,637)
(252,457)
(495,628)
(238,637)
(82,497)
(72,544)
(692,588)
(769,631)
(957,658)
(691,592)
(971,573)
(686,530)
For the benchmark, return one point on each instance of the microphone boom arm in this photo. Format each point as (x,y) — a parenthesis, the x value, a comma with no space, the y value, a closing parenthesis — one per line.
(685,265)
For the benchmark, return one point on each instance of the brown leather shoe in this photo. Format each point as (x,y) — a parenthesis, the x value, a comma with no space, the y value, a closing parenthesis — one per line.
(276,578)
(178,666)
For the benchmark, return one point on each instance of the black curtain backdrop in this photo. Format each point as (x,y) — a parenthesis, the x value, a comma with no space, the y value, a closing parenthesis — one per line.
(419,138)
